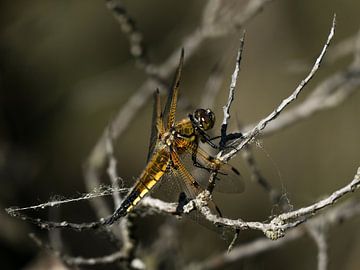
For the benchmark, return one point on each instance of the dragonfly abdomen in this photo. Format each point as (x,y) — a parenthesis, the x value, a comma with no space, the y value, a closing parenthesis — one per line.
(153,172)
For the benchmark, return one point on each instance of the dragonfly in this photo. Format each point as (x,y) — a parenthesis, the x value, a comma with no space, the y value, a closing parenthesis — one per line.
(170,141)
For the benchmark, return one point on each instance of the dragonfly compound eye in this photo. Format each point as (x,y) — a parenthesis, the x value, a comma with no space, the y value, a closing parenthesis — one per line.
(205,118)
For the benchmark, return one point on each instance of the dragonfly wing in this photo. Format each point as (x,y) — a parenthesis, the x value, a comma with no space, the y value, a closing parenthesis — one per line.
(170,107)
(178,185)
(190,186)
(192,189)
(227,181)
(156,124)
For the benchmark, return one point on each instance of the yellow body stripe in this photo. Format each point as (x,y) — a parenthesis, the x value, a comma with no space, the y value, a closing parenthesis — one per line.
(153,172)
(143,192)
(135,202)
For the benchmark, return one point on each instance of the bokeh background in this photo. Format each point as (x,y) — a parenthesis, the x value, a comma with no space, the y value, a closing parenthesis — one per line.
(65,70)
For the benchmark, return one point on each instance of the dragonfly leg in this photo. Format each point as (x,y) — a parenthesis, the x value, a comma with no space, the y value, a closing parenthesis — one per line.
(205,138)
(196,163)
(199,165)
(214,138)
(234,136)
(218,211)
(182,201)
(213,145)
(225,138)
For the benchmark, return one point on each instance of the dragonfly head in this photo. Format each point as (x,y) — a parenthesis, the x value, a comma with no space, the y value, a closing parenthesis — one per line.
(204,118)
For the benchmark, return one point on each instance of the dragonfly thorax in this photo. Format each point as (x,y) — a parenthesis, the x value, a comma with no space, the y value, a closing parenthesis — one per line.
(168,137)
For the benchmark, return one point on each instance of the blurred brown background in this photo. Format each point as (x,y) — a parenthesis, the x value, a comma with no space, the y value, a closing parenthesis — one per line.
(65,70)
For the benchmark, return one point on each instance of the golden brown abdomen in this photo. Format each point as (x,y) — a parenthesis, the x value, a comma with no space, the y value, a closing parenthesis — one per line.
(153,172)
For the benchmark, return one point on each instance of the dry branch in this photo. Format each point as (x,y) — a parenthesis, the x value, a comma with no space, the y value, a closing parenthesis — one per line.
(131,31)
(279,224)
(248,136)
(318,233)
(334,216)
(331,92)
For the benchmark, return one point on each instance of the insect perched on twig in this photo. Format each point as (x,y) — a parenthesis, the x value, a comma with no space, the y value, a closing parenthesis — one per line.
(170,142)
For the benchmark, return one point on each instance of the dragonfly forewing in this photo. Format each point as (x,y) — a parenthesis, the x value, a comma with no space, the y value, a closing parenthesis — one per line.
(191,189)
(157,126)
(170,107)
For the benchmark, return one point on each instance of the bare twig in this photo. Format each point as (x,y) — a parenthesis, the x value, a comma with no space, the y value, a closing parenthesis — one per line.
(279,224)
(233,241)
(248,136)
(159,206)
(96,193)
(111,170)
(318,233)
(104,191)
(125,225)
(117,256)
(151,204)
(226,108)
(106,259)
(245,139)
(328,94)
(165,249)
(332,217)
(129,28)
(274,229)
(234,77)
